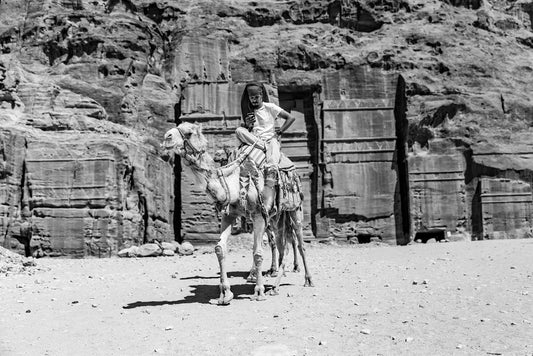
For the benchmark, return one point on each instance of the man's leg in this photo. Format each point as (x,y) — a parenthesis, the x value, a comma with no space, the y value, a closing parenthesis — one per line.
(273,156)
(273,152)
(248,138)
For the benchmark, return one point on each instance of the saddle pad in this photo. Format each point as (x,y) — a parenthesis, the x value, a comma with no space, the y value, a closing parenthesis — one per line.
(249,175)
(259,157)
(290,190)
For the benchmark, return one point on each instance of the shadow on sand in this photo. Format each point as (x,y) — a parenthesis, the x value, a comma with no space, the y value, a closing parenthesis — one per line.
(203,294)
(234,274)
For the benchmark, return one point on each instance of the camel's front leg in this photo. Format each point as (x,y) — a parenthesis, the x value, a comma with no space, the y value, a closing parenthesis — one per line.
(221,251)
(273,271)
(259,229)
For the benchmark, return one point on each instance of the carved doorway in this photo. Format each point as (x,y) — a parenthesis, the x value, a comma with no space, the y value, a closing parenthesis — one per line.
(300,144)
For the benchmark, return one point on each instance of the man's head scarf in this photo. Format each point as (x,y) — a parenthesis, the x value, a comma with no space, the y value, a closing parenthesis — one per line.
(246,106)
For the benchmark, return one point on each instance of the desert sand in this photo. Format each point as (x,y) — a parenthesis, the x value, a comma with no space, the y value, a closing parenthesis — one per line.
(457,298)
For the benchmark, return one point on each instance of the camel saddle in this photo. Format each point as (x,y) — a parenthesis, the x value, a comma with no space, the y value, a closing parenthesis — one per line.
(290,193)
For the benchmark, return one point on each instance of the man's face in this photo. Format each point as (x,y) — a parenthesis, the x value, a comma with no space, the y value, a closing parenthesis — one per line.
(256,96)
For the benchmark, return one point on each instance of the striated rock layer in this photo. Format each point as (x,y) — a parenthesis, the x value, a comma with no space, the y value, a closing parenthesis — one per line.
(87,89)
(83,101)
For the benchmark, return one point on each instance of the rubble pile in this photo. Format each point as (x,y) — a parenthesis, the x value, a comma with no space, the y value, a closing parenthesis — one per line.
(157,248)
(11,262)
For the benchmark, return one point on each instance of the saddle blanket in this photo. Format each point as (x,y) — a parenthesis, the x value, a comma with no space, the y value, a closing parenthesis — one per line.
(290,195)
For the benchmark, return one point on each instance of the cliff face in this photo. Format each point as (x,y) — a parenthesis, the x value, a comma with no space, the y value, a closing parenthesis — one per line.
(87,89)
(83,101)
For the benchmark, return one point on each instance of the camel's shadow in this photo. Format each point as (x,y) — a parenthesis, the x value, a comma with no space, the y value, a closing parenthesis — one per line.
(205,293)
(235,274)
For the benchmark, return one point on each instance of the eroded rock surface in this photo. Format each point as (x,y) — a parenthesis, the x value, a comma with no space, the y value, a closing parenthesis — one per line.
(87,89)
(83,98)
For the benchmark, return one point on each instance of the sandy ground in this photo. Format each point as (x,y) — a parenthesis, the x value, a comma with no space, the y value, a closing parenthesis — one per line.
(472,298)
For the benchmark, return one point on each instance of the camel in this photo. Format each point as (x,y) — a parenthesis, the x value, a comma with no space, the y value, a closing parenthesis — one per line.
(222,157)
(236,189)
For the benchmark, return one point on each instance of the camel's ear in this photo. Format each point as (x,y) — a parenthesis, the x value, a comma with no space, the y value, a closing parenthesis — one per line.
(196,130)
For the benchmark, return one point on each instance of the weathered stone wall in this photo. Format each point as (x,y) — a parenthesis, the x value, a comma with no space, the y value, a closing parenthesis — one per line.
(212,100)
(500,179)
(506,208)
(83,103)
(12,152)
(439,200)
(84,199)
(87,81)
(360,143)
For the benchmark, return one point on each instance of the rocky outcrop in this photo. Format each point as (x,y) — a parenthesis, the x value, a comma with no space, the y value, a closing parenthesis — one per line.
(85,193)
(11,262)
(355,15)
(83,101)
(469,4)
(87,89)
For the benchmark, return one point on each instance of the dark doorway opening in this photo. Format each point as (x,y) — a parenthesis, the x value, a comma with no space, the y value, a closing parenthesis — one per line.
(300,144)
(477,214)
(425,236)
(176,218)
(402,207)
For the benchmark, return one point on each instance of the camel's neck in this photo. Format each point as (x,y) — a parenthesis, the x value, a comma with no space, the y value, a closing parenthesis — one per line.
(203,168)
(202,165)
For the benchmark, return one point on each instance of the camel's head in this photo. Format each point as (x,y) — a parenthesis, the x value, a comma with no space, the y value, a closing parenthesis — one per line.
(187,138)
(173,141)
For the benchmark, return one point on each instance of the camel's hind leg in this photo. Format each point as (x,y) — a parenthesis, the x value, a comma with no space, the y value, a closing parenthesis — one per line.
(296,264)
(221,251)
(283,231)
(296,219)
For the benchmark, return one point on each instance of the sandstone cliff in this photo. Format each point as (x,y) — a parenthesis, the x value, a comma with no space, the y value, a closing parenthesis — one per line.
(87,89)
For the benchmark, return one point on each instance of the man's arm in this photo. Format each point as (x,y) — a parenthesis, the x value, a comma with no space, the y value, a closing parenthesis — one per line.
(249,121)
(289,120)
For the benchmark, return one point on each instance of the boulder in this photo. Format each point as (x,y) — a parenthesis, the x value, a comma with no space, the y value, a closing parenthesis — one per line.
(150,250)
(172,246)
(132,251)
(186,248)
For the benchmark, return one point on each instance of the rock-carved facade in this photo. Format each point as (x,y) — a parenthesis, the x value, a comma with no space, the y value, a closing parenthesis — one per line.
(413,123)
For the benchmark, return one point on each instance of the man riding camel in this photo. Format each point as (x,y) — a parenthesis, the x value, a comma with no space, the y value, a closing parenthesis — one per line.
(259,128)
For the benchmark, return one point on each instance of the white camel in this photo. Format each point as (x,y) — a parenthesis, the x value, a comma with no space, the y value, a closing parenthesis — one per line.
(222,157)
(236,189)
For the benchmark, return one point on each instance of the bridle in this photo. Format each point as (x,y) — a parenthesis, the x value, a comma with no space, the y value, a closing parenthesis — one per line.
(192,154)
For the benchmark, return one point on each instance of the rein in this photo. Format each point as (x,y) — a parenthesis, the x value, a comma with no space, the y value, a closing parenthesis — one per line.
(229,168)
(192,156)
